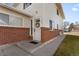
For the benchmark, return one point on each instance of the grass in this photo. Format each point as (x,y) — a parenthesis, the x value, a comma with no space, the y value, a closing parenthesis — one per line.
(69,46)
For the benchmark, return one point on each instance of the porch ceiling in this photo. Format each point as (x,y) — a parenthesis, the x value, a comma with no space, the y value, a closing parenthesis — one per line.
(16,10)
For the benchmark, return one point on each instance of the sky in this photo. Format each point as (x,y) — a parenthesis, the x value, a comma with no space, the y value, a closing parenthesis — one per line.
(71,12)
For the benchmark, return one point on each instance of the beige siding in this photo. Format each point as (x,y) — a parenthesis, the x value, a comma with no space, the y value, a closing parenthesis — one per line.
(46,12)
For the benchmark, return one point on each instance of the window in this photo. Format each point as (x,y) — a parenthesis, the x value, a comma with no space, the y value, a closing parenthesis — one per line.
(50,24)
(26,5)
(57,26)
(31,27)
(57,12)
(10,20)
(4,19)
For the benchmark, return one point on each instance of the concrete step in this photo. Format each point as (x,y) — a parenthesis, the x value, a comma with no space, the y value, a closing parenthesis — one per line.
(27,46)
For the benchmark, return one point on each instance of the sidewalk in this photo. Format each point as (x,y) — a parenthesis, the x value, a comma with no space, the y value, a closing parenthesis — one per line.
(12,50)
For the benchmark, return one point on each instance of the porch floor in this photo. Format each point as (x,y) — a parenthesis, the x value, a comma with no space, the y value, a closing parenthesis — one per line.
(22,48)
(27,46)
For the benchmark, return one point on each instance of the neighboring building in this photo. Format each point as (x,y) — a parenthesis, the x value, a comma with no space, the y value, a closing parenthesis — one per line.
(76,28)
(44,21)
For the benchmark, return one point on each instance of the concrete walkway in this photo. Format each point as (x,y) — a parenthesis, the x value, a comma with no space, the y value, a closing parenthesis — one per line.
(12,50)
(24,48)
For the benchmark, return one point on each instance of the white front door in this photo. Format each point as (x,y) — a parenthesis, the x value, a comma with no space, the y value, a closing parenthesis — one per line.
(37,31)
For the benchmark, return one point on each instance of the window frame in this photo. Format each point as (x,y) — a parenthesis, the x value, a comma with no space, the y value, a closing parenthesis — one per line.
(7,21)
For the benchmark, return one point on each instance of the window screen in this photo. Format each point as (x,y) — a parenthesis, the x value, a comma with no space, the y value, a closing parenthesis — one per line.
(15,21)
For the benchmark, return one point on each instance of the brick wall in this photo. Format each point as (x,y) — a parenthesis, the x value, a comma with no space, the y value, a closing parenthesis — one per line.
(13,34)
(46,34)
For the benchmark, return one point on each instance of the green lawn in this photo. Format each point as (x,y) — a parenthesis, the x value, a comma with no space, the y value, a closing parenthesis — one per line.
(69,46)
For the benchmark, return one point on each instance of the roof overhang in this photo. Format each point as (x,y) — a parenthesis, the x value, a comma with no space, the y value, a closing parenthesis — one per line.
(59,6)
(25,13)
